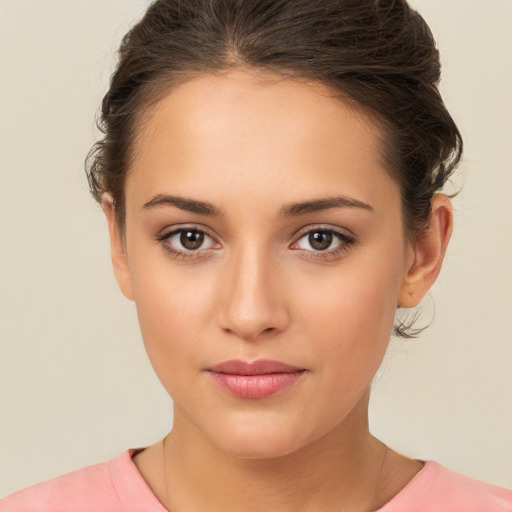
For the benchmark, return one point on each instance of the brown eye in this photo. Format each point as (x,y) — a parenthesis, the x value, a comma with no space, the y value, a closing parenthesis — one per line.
(187,240)
(324,241)
(191,239)
(320,240)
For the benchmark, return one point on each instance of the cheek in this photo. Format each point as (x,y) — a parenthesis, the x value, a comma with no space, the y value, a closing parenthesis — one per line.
(351,314)
(173,307)
(359,298)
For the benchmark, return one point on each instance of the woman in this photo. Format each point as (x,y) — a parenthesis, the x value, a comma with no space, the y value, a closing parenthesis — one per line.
(271,176)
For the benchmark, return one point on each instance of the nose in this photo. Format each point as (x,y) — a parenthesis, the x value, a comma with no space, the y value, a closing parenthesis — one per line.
(252,296)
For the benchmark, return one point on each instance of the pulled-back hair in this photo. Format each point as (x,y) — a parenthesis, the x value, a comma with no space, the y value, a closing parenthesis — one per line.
(378,53)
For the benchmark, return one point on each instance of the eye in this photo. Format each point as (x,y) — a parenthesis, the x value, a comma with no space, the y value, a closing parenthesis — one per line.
(190,239)
(186,242)
(321,242)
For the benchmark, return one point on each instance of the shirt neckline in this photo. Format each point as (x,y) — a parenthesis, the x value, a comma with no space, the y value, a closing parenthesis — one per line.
(131,488)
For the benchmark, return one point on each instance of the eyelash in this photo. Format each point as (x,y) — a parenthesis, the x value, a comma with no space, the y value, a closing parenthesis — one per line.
(183,255)
(345,242)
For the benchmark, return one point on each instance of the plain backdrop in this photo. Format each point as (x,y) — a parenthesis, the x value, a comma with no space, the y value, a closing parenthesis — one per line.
(75,384)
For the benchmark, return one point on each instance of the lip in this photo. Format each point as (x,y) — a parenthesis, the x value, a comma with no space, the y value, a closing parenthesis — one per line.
(258,367)
(256,379)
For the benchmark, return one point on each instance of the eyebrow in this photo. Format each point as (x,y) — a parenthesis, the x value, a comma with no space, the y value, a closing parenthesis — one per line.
(290,210)
(189,205)
(322,204)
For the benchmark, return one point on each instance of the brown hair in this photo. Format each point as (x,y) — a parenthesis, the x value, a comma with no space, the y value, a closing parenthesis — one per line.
(379,53)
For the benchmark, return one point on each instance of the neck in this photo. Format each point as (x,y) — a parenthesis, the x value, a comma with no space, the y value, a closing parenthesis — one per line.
(340,471)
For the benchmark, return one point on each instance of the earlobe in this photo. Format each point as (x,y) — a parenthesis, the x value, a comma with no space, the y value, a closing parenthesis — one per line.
(117,247)
(427,254)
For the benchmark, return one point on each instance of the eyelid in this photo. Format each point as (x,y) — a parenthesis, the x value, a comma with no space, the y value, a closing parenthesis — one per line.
(170,231)
(343,233)
(176,228)
(346,241)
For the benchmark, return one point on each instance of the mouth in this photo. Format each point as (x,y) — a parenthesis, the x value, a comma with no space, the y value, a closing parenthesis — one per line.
(256,379)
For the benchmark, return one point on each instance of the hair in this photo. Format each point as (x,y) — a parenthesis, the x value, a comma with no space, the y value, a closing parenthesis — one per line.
(378,53)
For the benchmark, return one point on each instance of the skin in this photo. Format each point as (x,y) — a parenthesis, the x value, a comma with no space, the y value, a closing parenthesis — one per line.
(250,144)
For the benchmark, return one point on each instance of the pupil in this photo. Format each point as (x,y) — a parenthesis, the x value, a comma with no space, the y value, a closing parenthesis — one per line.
(191,239)
(320,240)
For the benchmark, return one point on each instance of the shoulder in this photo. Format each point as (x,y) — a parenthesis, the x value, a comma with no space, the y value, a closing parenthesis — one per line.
(78,490)
(103,487)
(437,488)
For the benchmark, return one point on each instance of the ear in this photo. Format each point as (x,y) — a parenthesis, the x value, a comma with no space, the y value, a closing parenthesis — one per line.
(426,255)
(117,248)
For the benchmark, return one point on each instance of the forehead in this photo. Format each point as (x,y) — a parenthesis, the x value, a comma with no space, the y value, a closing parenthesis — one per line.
(256,132)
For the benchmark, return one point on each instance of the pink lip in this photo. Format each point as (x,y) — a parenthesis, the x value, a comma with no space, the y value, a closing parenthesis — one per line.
(256,379)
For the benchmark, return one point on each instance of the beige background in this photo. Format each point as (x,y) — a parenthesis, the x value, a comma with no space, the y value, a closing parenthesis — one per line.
(75,385)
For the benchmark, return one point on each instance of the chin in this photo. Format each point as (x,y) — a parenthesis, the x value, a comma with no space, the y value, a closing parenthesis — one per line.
(261,440)
(269,447)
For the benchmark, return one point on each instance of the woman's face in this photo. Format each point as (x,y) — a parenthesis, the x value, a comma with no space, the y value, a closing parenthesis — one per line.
(261,225)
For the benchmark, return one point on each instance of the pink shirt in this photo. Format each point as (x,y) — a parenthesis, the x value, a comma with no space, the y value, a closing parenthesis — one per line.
(117,486)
